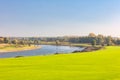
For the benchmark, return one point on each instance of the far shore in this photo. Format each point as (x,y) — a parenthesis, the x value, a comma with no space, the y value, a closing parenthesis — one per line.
(67,44)
(17,49)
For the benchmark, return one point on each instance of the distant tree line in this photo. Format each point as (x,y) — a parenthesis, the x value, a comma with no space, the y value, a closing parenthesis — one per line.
(19,41)
(90,39)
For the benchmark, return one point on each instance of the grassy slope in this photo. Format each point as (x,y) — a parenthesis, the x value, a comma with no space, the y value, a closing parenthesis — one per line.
(99,65)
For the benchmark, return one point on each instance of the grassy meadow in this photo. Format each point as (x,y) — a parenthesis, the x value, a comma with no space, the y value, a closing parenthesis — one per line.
(98,65)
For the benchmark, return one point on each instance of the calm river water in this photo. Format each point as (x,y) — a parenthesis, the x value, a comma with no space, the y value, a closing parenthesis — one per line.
(45,50)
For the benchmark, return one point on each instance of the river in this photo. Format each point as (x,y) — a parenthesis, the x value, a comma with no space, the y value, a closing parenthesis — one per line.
(44,50)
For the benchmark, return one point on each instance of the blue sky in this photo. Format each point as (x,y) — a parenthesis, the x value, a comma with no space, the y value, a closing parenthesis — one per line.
(59,17)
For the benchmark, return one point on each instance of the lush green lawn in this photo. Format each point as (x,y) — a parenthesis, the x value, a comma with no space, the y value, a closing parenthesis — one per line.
(99,65)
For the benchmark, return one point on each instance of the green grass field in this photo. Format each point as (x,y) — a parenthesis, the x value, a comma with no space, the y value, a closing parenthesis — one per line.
(98,65)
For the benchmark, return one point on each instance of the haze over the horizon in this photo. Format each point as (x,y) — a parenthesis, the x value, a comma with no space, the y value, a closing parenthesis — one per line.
(59,17)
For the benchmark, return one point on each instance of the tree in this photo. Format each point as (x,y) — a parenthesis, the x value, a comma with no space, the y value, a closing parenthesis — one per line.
(22,42)
(109,41)
(30,43)
(93,42)
(118,41)
(91,35)
(1,40)
(36,42)
(15,41)
(6,40)
(100,39)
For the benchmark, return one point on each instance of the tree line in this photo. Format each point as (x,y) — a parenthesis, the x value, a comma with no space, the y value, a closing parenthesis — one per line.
(90,39)
(18,41)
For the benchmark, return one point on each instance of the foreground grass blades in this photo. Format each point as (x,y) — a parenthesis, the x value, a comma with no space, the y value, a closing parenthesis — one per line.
(98,65)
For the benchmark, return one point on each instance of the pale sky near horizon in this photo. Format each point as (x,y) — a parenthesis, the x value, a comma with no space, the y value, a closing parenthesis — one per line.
(59,17)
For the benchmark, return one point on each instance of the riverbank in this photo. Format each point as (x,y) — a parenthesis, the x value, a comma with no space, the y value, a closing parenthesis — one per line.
(14,48)
(89,49)
(67,44)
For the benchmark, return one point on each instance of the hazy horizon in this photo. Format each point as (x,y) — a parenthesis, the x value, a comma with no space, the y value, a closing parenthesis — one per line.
(22,18)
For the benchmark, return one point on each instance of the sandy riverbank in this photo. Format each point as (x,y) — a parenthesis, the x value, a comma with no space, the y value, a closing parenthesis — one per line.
(12,48)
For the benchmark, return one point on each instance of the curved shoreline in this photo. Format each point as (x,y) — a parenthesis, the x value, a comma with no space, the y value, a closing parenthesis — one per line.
(20,49)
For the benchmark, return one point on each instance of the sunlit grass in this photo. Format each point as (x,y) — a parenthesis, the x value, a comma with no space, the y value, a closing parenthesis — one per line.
(98,65)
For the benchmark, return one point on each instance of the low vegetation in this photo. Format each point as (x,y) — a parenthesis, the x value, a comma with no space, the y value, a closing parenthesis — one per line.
(97,65)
